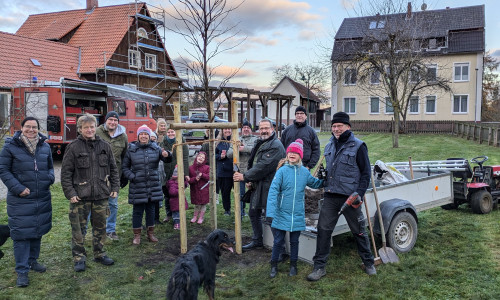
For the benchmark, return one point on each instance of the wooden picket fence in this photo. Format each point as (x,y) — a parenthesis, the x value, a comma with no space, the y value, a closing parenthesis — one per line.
(482,133)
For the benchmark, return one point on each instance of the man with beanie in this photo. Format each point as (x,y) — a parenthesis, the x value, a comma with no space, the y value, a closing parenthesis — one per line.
(348,172)
(115,134)
(301,130)
(264,159)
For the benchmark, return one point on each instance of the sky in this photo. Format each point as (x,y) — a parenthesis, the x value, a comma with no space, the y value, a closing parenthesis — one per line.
(275,32)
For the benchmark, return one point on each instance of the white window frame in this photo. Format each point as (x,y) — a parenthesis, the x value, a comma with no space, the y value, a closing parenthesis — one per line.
(137,58)
(349,73)
(412,74)
(461,65)
(370,105)
(142,33)
(388,100)
(435,104)
(150,65)
(432,66)
(418,106)
(352,100)
(460,106)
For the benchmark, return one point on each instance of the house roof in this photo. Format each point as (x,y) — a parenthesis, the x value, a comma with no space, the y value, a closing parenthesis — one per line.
(56,60)
(301,89)
(97,31)
(462,27)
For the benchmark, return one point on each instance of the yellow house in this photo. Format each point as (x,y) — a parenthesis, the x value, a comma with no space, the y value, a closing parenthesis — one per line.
(442,51)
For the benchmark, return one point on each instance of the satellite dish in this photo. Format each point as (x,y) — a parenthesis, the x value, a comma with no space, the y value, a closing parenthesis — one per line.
(423,7)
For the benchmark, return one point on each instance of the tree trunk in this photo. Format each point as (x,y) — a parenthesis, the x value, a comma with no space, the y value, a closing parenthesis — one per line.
(395,133)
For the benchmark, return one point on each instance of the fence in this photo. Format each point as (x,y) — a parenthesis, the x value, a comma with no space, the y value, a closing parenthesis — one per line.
(482,133)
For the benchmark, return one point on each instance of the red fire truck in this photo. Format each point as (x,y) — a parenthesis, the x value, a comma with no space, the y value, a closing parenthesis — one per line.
(57,105)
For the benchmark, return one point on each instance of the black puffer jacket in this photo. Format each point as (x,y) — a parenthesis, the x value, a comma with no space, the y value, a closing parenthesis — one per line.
(30,217)
(89,170)
(312,150)
(140,166)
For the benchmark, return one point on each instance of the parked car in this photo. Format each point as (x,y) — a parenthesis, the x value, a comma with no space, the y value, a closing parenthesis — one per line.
(203,118)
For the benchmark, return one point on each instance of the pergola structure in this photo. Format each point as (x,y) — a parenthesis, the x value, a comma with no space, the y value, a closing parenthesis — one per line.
(230,94)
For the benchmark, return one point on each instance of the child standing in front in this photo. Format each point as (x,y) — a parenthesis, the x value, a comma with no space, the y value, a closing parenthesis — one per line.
(199,174)
(173,192)
(285,204)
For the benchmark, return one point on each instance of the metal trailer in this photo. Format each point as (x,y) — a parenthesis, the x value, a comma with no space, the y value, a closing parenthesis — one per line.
(399,204)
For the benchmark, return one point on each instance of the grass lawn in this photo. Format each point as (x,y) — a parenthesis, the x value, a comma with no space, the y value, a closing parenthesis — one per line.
(457,254)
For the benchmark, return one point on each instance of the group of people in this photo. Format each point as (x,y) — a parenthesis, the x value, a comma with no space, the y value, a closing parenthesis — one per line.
(100,158)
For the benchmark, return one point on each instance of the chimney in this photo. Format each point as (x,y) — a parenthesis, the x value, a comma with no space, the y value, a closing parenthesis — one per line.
(91,4)
(408,12)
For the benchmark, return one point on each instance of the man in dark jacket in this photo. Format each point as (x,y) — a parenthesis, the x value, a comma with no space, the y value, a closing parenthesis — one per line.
(89,176)
(116,135)
(266,154)
(348,171)
(300,130)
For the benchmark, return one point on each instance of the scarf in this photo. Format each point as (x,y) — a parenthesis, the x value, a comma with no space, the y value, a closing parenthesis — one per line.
(30,143)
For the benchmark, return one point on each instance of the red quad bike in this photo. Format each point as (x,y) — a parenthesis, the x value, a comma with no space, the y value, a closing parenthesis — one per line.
(479,187)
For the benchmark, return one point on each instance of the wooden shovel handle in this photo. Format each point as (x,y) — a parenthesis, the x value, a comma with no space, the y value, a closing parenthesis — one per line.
(317,165)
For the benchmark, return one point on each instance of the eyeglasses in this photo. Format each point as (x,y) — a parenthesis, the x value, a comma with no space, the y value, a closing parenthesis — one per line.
(299,113)
(31,127)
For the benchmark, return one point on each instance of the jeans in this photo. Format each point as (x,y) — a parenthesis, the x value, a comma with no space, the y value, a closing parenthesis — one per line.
(279,242)
(113,212)
(242,192)
(26,252)
(328,218)
(176,216)
(138,212)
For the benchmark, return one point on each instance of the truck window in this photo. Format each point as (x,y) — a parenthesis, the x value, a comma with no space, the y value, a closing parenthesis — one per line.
(119,107)
(141,109)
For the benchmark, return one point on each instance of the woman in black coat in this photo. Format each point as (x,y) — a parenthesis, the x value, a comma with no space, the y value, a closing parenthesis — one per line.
(26,168)
(140,166)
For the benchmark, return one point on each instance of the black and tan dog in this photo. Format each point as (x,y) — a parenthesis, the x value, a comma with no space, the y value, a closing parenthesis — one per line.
(4,235)
(197,268)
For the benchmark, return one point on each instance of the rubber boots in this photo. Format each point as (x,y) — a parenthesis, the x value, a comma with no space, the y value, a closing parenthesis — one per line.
(151,237)
(200,218)
(193,220)
(137,236)
(274,269)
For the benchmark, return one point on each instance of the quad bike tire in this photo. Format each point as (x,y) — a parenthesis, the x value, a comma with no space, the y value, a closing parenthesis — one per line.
(481,202)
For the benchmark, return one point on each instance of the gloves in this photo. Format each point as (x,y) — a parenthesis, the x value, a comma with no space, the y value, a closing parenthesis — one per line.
(322,172)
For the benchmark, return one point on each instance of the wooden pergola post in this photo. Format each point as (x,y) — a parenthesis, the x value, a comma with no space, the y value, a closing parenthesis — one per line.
(236,185)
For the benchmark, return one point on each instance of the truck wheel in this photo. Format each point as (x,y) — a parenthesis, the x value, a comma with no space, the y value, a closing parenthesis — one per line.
(403,231)
(481,202)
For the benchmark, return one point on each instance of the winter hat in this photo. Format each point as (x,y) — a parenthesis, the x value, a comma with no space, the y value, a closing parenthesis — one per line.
(113,114)
(341,117)
(246,123)
(143,128)
(175,174)
(296,147)
(154,134)
(300,108)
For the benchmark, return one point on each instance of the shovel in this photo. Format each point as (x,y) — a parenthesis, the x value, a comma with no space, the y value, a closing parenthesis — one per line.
(387,254)
(377,258)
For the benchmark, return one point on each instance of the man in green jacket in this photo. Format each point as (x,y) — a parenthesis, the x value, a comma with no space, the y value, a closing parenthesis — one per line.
(115,134)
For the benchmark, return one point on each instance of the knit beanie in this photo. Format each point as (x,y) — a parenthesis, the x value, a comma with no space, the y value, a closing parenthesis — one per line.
(143,128)
(300,108)
(341,117)
(154,134)
(175,173)
(246,123)
(296,147)
(112,114)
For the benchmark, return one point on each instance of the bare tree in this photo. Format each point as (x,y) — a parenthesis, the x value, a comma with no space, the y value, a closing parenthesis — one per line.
(491,85)
(387,60)
(316,76)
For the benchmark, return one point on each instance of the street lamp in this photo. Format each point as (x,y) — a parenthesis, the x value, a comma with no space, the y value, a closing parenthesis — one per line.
(307,82)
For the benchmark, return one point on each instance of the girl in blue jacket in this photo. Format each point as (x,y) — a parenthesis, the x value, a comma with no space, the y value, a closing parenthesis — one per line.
(285,204)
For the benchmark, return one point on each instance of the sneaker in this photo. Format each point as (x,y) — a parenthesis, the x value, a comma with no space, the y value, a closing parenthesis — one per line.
(370,270)
(227,213)
(316,274)
(79,266)
(22,280)
(112,236)
(35,266)
(104,260)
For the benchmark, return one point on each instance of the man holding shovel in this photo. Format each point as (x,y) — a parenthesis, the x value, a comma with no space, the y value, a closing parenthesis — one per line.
(348,172)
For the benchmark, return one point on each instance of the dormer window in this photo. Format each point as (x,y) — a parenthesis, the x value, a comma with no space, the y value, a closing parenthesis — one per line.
(377,24)
(432,43)
(142,33)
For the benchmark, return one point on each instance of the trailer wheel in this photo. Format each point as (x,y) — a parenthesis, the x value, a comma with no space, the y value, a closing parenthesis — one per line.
(403,231)
(481,202)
